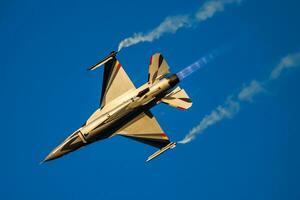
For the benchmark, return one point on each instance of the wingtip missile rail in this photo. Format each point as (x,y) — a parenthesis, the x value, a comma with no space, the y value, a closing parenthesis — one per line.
(104,60)
(171,145)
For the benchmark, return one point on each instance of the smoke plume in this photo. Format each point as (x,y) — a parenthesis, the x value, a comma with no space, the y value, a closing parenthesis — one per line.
(246,94)
(289,61)
(173,23)
(226,111)
(210,8)
(169,25)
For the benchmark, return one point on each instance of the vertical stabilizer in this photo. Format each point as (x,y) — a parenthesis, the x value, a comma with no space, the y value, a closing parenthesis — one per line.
(158,68)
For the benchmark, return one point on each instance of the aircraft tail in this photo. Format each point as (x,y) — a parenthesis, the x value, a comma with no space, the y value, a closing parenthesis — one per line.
(178,98)
(158,68)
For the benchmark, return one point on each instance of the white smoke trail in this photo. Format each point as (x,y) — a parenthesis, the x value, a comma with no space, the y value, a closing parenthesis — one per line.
(292,60)
(231,107)
(248,92)
(210,8)
(226,111)
(169,25)
(172,23)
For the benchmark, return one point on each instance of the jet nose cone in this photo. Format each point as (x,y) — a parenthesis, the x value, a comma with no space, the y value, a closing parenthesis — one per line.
(50,156)
(56,153)
(70,144)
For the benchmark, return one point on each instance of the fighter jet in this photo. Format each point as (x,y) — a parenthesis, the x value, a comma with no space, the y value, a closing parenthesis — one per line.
(125,110)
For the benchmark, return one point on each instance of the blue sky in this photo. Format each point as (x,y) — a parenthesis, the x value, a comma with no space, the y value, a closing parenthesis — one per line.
(47,94)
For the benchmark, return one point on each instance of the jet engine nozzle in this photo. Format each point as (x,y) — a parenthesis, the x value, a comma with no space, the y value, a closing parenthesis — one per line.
(173,80)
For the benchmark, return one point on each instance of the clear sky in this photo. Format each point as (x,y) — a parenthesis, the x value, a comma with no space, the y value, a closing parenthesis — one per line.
(46,94)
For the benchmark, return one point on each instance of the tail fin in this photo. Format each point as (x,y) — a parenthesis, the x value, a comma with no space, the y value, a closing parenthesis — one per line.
(178,99)
(158,67)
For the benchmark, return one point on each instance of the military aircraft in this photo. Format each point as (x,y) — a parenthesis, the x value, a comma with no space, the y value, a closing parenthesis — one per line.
(125,110)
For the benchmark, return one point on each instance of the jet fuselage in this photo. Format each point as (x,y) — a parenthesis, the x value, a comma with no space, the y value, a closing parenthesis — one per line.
(106,121)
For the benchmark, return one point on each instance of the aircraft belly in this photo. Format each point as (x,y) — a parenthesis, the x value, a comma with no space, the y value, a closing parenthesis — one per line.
(115,122)
(108,128)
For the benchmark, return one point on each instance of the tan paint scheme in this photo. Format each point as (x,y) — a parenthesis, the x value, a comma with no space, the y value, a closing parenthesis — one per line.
(120,99)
